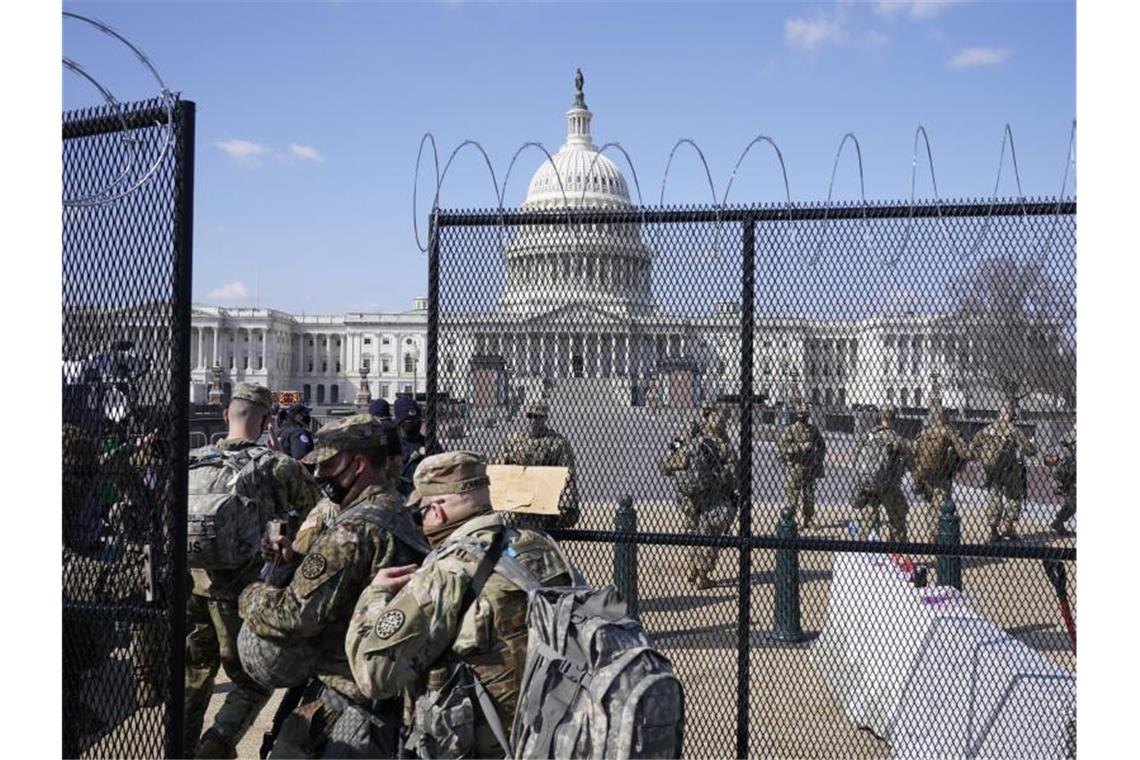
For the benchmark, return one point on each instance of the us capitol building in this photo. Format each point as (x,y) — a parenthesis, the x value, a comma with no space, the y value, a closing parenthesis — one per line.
(576,309)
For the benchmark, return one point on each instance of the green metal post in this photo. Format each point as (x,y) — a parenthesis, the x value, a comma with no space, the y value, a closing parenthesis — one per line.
(949,534)
(787,624)
(625,554)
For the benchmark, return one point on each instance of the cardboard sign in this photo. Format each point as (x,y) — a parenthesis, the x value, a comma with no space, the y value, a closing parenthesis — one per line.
(530,490)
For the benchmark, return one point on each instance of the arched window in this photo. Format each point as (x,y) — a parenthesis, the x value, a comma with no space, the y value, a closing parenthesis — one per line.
(830,397)
(815,395)
(918,396)
(334,394)
(890,395)
(321,394)
(904,396)
(307,393)
(842,396)
(409,363)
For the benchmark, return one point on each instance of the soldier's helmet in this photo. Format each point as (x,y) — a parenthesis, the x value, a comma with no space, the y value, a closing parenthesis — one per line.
(277,663)
(801,409)
(537,408)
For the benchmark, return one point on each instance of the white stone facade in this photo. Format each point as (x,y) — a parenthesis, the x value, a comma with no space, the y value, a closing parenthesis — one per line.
(321,356)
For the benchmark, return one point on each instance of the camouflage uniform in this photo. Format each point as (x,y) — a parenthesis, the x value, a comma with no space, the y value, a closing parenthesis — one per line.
(938,486)
(1064,464)
(688,510)
(212,620)
(417,639)
(803,449)
(705,483)
(548,450)
(343,554)
(1007,487)
(869,498)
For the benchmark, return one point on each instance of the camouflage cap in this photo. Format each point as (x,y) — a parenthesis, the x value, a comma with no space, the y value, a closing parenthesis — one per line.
(537,409)
(802,409)
(708,407)
(450,472)
(358,432)
(258,394)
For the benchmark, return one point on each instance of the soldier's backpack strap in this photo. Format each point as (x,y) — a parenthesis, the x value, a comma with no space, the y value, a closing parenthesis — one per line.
(387,519)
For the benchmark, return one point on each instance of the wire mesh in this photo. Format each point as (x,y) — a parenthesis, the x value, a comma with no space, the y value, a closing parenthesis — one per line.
(125,373)
(638,326)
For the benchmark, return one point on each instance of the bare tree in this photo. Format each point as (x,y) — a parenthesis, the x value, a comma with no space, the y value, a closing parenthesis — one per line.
(1014,327)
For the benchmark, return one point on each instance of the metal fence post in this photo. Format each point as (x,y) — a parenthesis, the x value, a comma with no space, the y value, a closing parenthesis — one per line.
(625,554)
(949,534)
(786,626)
(744,487)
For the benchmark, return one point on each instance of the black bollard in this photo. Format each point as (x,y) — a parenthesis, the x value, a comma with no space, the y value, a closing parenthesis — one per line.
(787,590)
(625,554)
(949,534)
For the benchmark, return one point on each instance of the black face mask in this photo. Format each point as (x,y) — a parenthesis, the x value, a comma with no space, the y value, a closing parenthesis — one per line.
(333,489)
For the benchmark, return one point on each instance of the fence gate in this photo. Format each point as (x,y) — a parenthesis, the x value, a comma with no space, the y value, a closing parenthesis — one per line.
(128,178)
(801,642)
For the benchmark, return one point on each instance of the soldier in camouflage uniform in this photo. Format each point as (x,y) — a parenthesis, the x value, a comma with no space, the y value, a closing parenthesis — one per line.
(1002,449)
(706,484)
(803,449)
(540,446)
(1064,464)
(939,453)
(351,461)
(871,492)
(212,620)
(688,509)
(436,624)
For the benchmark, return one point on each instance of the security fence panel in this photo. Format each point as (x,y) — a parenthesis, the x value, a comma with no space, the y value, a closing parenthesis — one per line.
(884,563)
(125,360)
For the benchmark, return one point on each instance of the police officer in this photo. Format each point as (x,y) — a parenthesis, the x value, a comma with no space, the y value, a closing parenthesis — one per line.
(422,636)
(381,410)
(372,531)
(294,437)
(212,620)
(409,422)
(541,446)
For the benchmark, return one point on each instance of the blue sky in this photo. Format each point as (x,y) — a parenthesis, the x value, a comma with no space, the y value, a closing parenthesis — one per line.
(310,114)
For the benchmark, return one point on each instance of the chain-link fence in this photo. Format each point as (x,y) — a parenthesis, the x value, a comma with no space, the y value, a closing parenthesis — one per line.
(126,328)
(867,584)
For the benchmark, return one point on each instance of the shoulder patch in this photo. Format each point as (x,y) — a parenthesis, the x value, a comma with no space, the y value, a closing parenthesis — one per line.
(305,438)
(389,624)
(313,566)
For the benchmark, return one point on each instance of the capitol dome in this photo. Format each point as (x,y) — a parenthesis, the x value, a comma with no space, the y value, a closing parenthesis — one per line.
(595,263)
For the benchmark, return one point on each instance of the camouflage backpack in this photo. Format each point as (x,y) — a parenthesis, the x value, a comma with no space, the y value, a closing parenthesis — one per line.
(592,687)
(997,453)
(876,462)
(228,505)
(703,473)
(934,455)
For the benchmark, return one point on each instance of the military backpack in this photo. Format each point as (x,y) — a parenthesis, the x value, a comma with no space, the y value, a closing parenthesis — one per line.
(229,501)
(877,462)
(934,455)
(593,685)
(703,474)
(997,453)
